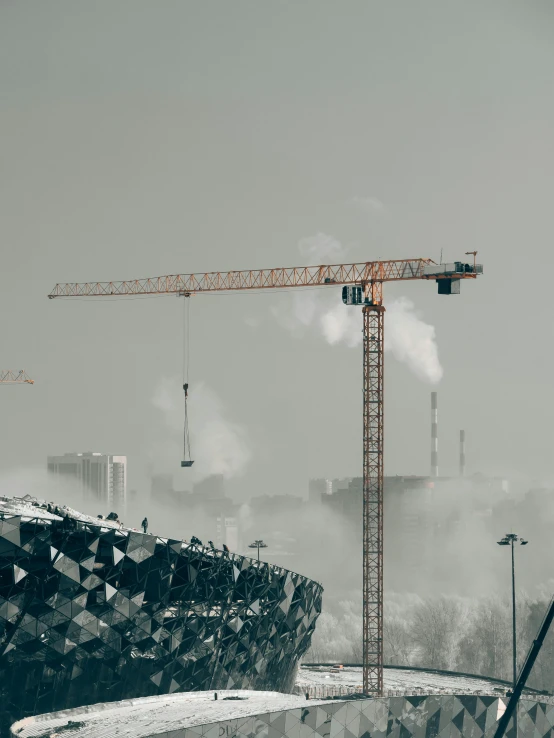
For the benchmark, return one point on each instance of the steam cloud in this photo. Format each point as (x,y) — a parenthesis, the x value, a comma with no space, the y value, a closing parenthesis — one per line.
(412,341)
(407,336)
(368,204)
(322,249)
(218,445)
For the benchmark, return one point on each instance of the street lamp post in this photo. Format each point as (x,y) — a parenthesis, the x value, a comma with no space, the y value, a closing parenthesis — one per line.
(510,539)
(258,544)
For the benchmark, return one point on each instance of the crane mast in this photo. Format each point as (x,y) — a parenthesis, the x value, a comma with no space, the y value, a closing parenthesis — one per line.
(372,515)
(363,286)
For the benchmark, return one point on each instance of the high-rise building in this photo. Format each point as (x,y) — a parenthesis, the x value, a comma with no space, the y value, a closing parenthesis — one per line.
(101,475)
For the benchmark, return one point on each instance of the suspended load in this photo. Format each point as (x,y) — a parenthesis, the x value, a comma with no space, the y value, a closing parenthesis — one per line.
(187,461)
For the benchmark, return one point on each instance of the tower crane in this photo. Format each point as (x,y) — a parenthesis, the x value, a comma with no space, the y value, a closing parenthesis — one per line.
(362,285)
(9,376)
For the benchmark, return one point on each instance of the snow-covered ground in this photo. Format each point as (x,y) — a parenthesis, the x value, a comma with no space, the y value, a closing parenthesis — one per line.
(395,680)
(149,716)
(155,715)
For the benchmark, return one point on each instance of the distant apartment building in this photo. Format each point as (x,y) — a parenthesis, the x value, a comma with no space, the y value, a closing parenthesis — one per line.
(102,475)
(319,487)
(227,531)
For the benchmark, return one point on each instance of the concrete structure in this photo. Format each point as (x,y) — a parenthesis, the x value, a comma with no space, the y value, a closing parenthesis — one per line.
(271,715)
(101,475)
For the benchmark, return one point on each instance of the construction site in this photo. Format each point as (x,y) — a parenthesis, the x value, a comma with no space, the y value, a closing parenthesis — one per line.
(95,574)
(311,500)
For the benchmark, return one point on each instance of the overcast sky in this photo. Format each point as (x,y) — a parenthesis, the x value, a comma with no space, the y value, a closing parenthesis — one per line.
(147,138)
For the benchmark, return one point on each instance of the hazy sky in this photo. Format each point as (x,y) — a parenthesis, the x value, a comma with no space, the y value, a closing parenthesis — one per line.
(146,138)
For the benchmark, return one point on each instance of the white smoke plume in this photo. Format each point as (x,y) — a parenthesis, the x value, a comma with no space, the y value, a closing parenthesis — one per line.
(338,324)
(321,249)
(218,445)
(369,205)
(407,336)
(412,341)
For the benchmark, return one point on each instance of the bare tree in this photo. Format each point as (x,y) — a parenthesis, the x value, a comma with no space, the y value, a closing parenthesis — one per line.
(437,628)
(488,646)
(352,628)
(398,645)
(329,642)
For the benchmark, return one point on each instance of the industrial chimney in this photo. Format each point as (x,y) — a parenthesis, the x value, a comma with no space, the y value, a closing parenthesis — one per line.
(462,453)
(434,436)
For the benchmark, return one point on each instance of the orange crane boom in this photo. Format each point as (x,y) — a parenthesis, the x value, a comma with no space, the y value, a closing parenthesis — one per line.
(9,376)
(259,279)
(362,285)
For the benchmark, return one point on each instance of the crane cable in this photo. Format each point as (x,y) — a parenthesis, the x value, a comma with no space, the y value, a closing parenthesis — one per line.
(186,366)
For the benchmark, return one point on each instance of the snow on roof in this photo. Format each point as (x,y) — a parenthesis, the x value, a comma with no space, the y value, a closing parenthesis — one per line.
(402,680)
(154,715)
(32,508)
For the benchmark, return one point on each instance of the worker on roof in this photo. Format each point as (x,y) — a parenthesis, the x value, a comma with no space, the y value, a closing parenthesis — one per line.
(145,524)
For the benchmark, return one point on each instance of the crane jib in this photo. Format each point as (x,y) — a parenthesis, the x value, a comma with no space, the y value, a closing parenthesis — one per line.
(282,278)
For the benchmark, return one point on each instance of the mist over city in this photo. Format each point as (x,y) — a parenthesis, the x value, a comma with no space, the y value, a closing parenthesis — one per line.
(275,383)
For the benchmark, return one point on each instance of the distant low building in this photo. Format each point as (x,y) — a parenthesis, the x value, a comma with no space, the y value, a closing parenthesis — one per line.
(271,504)
(103,475)
(213,514)
(161,485)
(210,488)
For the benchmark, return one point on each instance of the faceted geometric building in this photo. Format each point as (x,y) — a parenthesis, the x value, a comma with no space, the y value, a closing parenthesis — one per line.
(93,612)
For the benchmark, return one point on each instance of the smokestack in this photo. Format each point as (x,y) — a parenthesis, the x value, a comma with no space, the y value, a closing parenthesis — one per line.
(434,436)
(462,453)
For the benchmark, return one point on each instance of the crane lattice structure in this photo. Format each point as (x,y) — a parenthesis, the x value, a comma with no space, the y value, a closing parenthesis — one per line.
(363,286)
(18,376)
